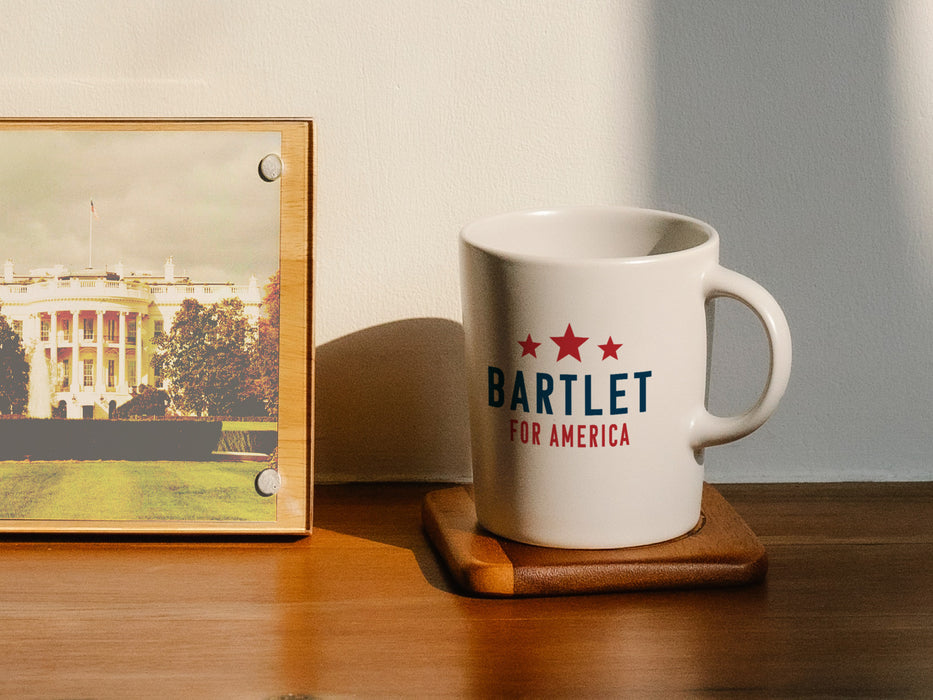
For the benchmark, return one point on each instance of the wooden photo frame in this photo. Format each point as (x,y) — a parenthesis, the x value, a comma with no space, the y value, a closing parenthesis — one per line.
(156,351)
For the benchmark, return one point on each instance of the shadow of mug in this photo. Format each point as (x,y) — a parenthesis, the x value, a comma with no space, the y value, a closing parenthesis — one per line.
(390,404)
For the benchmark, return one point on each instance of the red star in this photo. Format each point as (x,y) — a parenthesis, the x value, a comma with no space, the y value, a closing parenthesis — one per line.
(569,344)
(529,346)
(610,349)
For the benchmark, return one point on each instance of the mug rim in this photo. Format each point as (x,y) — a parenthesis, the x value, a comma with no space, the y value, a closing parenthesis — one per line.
(470,232)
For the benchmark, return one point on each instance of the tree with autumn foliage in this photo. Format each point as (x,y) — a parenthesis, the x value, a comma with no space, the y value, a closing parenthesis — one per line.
(206,360)
(217,363)
(266,349)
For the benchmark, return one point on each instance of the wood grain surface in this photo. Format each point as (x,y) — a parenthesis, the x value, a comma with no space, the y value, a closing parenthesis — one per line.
(364,608)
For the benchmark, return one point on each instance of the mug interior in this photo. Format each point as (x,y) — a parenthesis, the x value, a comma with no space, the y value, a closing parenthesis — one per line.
(597,233)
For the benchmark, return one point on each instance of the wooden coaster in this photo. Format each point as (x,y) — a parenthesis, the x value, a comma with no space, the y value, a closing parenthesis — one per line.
(721,551)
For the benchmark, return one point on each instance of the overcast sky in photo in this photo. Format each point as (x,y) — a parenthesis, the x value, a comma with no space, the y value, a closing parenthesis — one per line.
(193,195)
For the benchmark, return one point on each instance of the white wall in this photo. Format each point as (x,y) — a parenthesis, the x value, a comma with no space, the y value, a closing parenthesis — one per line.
(794,130)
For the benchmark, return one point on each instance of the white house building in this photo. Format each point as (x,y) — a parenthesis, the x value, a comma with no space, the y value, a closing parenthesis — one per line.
(95,328)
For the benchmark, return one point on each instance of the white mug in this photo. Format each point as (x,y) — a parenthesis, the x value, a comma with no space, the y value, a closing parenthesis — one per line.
(586,359)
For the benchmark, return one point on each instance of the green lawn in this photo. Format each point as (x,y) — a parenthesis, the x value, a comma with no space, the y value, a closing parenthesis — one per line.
(121,490)
(233,425)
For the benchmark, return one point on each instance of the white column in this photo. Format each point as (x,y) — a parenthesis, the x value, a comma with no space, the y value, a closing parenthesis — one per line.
(139,350)
(99,337)
(31,330)
(75,352)
(121,377)
(53,344)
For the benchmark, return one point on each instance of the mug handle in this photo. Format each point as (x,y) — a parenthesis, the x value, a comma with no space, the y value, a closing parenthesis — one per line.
(707,429)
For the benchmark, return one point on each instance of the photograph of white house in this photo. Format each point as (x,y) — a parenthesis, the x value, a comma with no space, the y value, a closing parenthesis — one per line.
(93,329)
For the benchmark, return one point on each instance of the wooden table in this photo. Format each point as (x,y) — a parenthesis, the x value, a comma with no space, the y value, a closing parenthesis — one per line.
(363,608)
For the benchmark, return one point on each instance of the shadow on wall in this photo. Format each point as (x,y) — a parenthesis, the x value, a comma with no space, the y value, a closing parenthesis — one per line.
(390,404)
(775,123)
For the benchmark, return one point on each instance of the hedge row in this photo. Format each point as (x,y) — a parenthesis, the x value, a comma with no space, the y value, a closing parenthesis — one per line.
(108,439)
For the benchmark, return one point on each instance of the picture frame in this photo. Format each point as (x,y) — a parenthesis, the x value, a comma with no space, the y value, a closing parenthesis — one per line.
(157,294)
